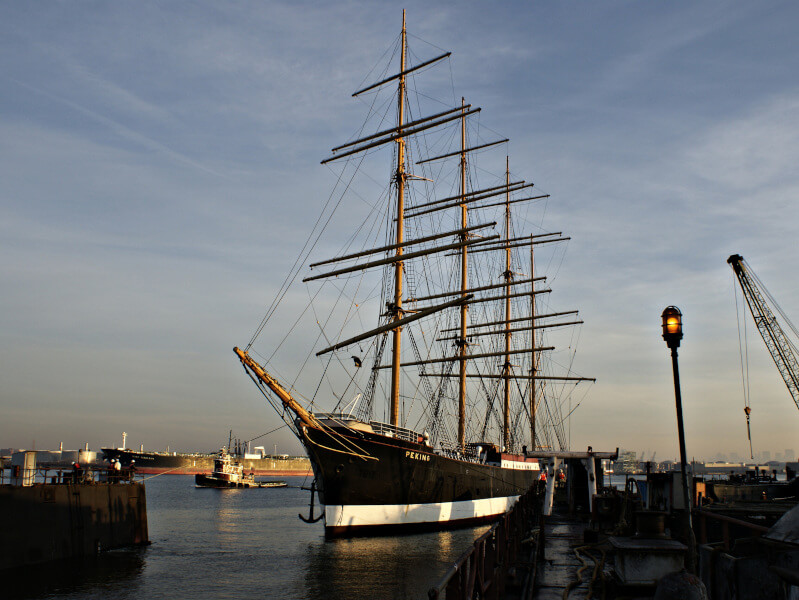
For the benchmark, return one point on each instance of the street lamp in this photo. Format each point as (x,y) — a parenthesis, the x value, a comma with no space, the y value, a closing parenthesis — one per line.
(672,327)
(672,333)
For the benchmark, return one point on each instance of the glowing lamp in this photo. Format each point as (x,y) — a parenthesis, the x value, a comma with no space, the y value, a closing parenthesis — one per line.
(672,326)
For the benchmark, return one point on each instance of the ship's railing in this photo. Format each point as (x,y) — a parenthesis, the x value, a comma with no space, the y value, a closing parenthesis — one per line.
(482,571)
(397,432)
(336,416)
(379,428)
(469,453)
(59,475)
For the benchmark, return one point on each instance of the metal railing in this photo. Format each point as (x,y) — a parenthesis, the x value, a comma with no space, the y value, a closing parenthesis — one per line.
(409,435)
(398,432)
(725,522)
(61,475)
(482,571)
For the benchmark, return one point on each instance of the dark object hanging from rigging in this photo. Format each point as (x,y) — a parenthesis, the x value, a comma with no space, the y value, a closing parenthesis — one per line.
(781,349)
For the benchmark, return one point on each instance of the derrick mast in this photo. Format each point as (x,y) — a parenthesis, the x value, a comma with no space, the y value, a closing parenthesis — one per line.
(780,348)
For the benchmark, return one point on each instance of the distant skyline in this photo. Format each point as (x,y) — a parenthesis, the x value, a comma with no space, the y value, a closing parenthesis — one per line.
(158,163)
(761,456)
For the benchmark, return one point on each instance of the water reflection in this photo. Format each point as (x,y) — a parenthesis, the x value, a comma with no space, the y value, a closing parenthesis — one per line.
(82,578)
(245,544)
(446,540)
(226,513)
(383,567)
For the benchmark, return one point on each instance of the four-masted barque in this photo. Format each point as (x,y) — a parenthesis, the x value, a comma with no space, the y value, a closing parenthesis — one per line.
(459,348)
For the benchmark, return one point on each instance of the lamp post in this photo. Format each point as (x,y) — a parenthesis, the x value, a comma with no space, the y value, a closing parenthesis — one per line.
(672,333)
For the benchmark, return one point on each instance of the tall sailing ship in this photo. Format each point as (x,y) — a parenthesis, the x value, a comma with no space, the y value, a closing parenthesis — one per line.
(459,350)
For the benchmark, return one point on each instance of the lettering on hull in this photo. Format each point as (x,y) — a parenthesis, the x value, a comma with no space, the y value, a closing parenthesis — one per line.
(416,455)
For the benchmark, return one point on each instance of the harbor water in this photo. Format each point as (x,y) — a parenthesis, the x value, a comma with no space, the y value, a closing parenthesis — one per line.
(247,543)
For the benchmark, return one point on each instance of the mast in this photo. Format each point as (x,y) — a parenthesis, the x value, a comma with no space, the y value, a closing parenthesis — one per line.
(464,287)
(533,364)
(508,276)
(397,337)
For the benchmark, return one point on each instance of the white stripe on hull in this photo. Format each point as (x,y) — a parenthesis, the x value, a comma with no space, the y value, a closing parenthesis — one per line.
(364,515)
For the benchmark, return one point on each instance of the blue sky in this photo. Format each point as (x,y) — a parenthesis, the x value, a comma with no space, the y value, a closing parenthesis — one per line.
(159,163)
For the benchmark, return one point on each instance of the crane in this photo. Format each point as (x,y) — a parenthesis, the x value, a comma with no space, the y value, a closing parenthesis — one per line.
(782,350)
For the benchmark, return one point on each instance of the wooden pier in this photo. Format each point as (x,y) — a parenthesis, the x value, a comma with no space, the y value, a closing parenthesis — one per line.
(568,563)
(543,548)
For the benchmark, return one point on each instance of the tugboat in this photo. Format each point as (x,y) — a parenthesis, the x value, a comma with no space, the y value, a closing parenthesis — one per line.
(228,473)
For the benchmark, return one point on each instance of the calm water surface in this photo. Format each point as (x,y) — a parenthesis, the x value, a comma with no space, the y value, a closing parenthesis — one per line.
(209,543)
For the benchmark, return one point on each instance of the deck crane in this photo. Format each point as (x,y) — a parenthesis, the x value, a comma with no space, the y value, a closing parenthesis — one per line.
(782,350)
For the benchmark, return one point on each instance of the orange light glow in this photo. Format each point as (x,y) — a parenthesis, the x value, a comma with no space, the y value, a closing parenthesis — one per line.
(673,325)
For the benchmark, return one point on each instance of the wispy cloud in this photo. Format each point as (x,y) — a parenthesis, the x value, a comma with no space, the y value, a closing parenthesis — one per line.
(122,130)
(160,163)
(755,151)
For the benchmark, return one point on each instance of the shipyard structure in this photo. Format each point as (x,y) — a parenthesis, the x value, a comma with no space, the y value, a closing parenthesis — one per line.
(256,462)
(61,514)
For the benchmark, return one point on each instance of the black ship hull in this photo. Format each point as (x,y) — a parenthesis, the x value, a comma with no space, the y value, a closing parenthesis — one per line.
(192,464)
(372,484)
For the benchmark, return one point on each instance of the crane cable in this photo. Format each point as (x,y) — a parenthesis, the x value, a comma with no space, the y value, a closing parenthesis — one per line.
(776,306)
(743,350)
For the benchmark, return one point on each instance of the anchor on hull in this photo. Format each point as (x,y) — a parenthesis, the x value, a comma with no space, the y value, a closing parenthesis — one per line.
(311,518)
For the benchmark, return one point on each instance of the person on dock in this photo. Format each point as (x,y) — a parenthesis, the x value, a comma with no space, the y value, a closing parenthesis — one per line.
(77,472)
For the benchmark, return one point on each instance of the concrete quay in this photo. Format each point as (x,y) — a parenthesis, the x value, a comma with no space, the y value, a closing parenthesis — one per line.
(45,522)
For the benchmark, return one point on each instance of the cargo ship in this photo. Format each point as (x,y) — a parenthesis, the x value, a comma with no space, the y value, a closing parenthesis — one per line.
(259,463)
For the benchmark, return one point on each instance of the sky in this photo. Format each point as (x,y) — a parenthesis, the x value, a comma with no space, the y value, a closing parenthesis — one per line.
(159,163)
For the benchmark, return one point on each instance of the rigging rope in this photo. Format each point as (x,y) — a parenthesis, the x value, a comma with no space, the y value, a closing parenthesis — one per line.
(436,399)
(265,434)
(303,255)
(743,351)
